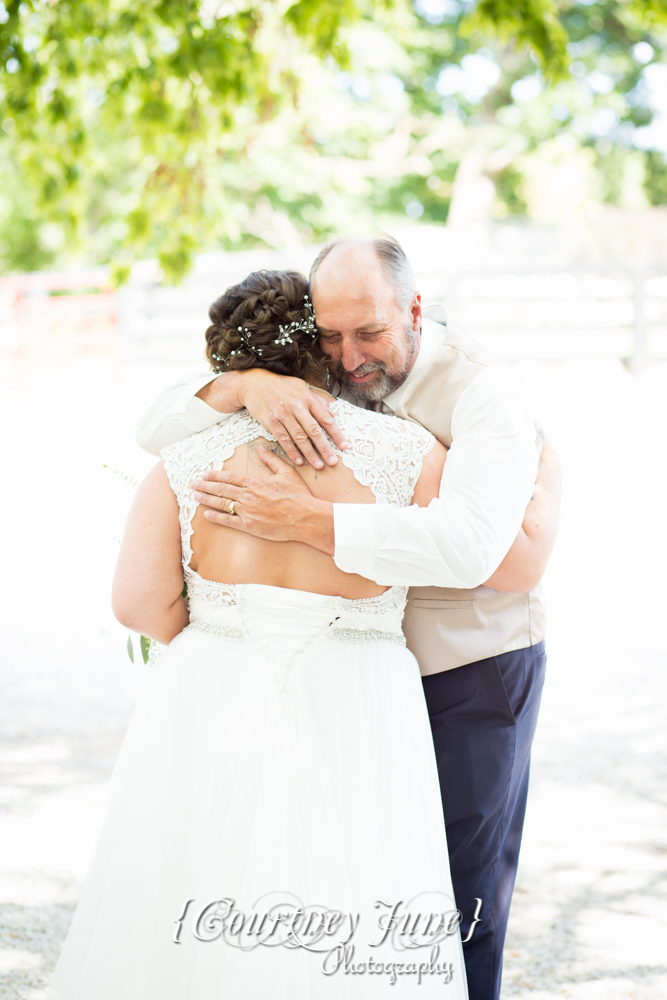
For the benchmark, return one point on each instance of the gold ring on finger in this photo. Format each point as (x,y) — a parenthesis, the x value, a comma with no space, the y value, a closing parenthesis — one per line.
(231,508)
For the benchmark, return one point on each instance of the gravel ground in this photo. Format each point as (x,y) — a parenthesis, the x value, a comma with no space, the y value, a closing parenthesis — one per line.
(589,913)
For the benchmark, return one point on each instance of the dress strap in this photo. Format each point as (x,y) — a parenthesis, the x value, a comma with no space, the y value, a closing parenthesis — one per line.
(385,452)
(209,449)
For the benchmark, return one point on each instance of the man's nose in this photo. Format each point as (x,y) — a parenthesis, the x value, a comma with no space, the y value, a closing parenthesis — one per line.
(352,357)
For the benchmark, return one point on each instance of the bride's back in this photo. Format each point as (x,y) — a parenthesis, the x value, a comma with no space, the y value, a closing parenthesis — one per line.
(231,556)
(383,463)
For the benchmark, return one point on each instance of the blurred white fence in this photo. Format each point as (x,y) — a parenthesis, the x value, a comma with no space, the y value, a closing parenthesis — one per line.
(572,313)
(49,315)
(544,314)
(576,312)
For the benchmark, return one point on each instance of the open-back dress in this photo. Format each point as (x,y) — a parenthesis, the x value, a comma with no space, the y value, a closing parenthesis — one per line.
(274,826)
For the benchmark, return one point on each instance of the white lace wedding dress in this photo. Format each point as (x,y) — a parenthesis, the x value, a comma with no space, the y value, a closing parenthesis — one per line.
(275,800)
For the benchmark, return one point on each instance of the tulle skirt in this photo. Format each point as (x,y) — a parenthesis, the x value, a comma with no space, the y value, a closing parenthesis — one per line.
(262,842)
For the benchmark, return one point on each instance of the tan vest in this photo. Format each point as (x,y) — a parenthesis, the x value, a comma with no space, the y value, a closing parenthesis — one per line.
(447,627)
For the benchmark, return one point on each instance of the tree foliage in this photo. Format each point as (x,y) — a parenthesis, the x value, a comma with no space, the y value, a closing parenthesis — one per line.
(21,245)
(164,126)
(655,183)
(503,108)
(154,89)
(533,24)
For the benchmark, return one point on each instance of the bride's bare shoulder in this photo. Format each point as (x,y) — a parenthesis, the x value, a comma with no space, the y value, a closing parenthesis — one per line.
(428,484)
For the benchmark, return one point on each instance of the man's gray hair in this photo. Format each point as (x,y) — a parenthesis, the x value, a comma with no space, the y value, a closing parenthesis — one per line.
(395,265)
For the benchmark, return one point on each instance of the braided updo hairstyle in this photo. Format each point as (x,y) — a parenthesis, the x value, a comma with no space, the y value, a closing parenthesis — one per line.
(260,304)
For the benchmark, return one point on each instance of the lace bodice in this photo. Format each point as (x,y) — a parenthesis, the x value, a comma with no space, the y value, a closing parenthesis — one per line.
(385,453)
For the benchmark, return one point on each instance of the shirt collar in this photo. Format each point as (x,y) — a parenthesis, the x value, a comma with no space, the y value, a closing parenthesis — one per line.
(432,335)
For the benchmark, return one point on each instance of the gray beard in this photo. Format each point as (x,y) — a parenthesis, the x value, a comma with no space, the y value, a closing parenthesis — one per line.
(388,381)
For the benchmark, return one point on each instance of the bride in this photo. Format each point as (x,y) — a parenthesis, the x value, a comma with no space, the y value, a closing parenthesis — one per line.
(274,825)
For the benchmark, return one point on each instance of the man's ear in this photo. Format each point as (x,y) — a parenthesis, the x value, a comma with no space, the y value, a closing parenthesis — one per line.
(416,312)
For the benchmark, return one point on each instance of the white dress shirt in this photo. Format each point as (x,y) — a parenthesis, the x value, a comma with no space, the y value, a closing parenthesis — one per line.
(461,538)
(177,413)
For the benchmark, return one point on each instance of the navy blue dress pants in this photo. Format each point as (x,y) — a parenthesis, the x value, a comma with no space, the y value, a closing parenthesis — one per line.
(483,717)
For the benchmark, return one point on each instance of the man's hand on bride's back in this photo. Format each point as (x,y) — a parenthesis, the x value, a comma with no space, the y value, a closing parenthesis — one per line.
(280,508)
(285,406)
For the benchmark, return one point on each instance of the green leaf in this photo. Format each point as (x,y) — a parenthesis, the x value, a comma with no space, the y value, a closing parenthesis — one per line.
(145,644)
(119,474)
(130,648)
(120,273)
(651,13)
(126,119)
(534,24)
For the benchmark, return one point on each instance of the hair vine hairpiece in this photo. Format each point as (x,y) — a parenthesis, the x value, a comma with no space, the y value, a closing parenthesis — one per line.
(284,333)
(245,341)
(307,325)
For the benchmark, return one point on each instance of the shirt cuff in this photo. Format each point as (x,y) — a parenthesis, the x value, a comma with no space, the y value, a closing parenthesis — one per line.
(187,391)
(198,415)
(354,538)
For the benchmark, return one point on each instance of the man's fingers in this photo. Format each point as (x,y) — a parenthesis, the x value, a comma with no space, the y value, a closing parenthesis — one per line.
(231,478)
(282,435)
(270,458)
(218,502)
(323,415)
(321,442)
(303,443)
(228,520)
(215,489)
(311,438)
(294,442)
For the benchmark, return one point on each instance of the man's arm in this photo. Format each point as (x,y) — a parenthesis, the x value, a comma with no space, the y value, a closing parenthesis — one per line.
(523,567)
(273,509)
(461,538)
(286,407)
(178,412)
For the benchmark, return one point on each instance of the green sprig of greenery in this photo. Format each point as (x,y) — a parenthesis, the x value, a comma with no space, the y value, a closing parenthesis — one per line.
(123,476)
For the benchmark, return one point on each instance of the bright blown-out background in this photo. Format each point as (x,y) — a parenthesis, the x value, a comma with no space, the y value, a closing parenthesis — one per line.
(175,147)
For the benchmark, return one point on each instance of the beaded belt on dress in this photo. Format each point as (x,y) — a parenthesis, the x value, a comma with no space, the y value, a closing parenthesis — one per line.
(336,632)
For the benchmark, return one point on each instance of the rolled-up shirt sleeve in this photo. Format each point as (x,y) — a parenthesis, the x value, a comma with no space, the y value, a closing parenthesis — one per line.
(461,538)
(177,413)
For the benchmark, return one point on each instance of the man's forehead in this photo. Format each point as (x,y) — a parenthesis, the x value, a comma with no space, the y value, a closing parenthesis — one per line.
(349,262)
(357,295)
(352,289)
